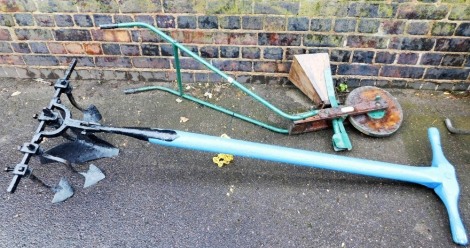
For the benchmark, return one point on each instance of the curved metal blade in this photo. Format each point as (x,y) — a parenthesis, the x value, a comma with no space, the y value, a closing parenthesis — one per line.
(85,148)
(63,191)
(92,176)
(91,114)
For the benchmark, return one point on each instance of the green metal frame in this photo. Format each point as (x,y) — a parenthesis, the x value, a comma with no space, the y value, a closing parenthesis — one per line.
(340,139)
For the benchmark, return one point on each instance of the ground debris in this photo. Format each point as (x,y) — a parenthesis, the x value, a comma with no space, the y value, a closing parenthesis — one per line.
(15,93)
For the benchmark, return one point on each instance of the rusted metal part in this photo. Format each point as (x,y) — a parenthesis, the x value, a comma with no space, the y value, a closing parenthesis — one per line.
(320,121)
(385,126)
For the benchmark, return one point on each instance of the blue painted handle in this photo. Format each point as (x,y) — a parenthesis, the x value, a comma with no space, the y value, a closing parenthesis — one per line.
(448,190)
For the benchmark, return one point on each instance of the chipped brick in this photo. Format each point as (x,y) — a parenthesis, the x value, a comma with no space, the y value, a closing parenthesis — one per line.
(165,21)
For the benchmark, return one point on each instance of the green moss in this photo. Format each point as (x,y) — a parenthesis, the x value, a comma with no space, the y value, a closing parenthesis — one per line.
(387,10)
(228,7)
(460,12)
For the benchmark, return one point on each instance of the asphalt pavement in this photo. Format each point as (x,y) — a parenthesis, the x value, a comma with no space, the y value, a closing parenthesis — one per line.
(156,196)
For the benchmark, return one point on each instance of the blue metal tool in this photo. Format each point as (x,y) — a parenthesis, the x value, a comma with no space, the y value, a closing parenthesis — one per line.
(56,119)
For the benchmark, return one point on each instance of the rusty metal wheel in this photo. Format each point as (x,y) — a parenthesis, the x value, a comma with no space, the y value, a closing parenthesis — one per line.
(379,123)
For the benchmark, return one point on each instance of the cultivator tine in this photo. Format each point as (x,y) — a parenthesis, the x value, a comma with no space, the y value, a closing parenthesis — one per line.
(91,114)
(63,191)
(92,176)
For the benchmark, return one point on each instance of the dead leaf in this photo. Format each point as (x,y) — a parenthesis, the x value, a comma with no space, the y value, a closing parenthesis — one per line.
(16,93)
(183,119)
(178,100)
(208,94)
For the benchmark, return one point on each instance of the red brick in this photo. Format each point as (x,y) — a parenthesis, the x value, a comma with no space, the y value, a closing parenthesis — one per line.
(74,48)
(93,49)
(4,34)
(11,60)
(189,36)
(57,48)
(111,35)
(236,38)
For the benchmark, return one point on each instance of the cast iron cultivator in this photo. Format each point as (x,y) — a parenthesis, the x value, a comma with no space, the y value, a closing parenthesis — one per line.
(56,120)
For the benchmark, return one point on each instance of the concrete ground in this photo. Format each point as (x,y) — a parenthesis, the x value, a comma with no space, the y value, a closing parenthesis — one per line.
(166,197)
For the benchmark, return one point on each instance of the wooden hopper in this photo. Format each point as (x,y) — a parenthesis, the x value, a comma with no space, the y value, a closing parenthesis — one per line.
(308,74)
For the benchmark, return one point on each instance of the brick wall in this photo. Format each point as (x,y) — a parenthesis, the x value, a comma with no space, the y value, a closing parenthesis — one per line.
(394,43)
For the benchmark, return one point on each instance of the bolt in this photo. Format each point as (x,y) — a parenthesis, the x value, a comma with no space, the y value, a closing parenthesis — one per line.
(377,97)
(31,147)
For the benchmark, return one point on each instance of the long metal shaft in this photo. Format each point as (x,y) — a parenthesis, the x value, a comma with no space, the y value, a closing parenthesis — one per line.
(440,176)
